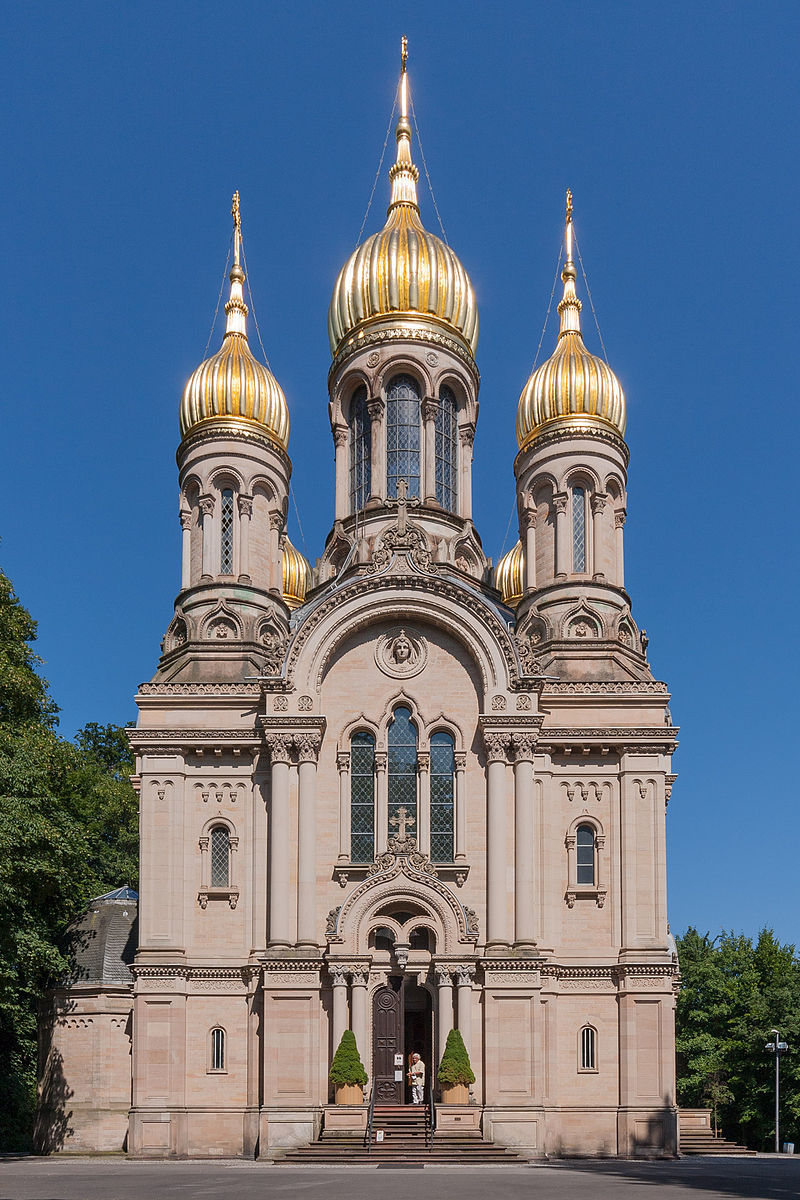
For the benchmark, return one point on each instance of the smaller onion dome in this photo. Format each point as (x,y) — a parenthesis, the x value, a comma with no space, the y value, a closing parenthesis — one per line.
(509,576)
(296,576)
(232,389)
(573,389)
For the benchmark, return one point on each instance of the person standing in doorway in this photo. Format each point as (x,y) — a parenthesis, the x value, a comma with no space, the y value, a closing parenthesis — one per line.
(416,1077)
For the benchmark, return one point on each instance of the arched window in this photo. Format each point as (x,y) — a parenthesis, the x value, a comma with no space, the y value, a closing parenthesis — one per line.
(226,533)
(360,446)
(585,855)
(362,798)
(422,939)
(588,1049)
(447,450)
(402,774)
(220,856)
(578,529)
(217,1049)
(442,797)
(402,434)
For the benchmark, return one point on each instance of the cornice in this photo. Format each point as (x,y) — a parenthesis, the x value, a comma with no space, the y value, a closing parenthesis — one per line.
(220,431)
(609,687)
(550,436)
(655,738)
(404,333)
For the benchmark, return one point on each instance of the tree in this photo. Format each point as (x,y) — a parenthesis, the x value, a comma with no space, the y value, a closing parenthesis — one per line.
(347,1066)
(455,1067)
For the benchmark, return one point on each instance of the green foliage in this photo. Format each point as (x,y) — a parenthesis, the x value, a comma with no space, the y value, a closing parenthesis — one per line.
(733,993)
(68,832)
(455,1065)
(347,1066)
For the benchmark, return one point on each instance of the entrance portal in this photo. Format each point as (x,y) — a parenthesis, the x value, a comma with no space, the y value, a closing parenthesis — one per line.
(402,1024)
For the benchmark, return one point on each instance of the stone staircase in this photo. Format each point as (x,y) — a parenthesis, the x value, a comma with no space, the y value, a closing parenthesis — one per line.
(405,1143)
(697,1135)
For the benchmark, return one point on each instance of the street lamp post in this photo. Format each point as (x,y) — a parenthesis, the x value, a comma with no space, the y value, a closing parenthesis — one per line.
(777,1048)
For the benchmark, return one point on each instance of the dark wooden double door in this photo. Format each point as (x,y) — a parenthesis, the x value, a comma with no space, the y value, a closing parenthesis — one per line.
(401,1025)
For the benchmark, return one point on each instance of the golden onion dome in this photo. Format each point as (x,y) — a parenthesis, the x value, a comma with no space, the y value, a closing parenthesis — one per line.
(573,389)
(402,271)
(509,576)
(232,389)
(296,576)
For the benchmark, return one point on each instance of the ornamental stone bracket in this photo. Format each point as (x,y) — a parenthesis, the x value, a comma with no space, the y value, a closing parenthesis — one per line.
(587,893)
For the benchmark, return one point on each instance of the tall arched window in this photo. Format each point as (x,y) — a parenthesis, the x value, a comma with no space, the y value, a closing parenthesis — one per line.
(360,447)
(226,533)
(402,434)
(588,1049)
(220,856)
(578,529)
(584,847)
(217,1050)
(442,797)
(447,450)
(362,798)
(402,774)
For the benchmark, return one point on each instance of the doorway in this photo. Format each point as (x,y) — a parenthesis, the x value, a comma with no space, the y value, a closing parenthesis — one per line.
(402,1024)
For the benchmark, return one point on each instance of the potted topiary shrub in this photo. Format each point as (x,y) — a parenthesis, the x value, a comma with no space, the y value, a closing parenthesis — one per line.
(347,1072)
(455,1072)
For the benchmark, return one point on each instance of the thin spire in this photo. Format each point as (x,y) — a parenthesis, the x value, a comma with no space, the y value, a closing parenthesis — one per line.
(570,307)
(403,173)
(236,309)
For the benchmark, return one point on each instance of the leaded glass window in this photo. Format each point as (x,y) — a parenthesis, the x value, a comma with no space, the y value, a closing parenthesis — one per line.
(588,1049)
(578,529)
(447,450)
(442,797)
(585,854)
(402,434)
(217,1049)
(402,775)
(226,533)
(220,856)
(362,798)
(360,449)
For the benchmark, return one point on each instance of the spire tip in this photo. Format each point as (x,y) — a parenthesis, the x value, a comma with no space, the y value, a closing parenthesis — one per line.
(569,206)
(403,54)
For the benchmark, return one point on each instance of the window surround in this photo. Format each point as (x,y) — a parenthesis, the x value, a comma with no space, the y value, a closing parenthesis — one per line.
(598,890)
(217,1051)
(587,1050)
(230,891)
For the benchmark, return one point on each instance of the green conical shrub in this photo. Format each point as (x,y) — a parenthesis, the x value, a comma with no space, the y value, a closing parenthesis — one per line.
(455,1066)
(347,1066)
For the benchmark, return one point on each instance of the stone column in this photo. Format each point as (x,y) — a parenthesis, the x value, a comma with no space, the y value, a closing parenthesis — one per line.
(424,807)
(561,551)
(358,1014)
(466,972)
(377,464)
(341,488)
(461,805)
(496,920)
(619,525)
(186,548)
(343,767)
(598,503)
(245,513)
(466,438)
(430,408)
(307,751)
(275,556)
(381,802)
(339,1015)
(444,985)
(525,842)
(279,745)
(529,523)
(207,511)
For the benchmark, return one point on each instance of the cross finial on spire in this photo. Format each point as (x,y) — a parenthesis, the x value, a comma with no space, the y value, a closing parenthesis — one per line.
(569,206)
(403,53)
(237,219)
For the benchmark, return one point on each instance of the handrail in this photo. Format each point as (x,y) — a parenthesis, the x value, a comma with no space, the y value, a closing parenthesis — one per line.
(368,1134)
(431,1117)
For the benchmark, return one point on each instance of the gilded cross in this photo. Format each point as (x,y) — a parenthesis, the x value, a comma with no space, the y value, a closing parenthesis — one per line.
(403,53)
(401,821)
(237,220)
(401,504)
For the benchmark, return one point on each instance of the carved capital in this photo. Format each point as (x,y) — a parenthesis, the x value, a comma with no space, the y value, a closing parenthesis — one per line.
(423,760)
(276,521)
(460,760)
(308,745)
(343,761)
(375,408)
(668,782)
(524,745)
(598,502)
(279,746)
(528,518)
(185,518)
(245,505)
(466,974)
(444,975)
(203,842)
(466,435)
(559,502)
(359,976)
(619,518)
(206,505)
(380,760)
(338,973)
(339,435)
(430,408)
(497,746)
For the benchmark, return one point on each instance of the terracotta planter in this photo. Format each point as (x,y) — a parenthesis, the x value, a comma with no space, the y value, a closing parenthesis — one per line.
(455,1093)
(349,1093)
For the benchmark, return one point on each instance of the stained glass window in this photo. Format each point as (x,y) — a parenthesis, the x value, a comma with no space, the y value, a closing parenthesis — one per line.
(585,853)
(588,1049)
(360,448)
(442,797)
(402,434)
(217,1049)
(447,450)
(220,853)
(402,774)
(226,533)
(362,798)
(578,529)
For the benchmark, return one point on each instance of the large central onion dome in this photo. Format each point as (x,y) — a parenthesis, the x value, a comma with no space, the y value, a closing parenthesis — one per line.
(232,389)
(403,271)
(573,389)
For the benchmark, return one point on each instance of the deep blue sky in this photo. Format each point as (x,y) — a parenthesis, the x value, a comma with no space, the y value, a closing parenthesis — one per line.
(125,128)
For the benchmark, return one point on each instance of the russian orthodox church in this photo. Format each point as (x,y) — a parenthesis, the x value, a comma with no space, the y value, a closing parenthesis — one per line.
(403,791)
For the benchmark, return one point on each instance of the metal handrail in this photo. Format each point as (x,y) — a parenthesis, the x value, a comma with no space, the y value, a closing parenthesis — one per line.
(431,1117)
(368,1134)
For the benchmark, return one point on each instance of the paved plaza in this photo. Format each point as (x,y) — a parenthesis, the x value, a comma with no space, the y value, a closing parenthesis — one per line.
(764,1178)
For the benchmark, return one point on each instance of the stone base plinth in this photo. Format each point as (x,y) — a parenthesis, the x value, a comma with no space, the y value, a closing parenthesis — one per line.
(346,1118)
(456,1118)
(520,1128)
(283,1128)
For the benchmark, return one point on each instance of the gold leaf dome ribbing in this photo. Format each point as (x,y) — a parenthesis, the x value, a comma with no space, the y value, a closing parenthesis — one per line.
(509,576)
(402,271)
(296,576)
(573,389)
(232,389)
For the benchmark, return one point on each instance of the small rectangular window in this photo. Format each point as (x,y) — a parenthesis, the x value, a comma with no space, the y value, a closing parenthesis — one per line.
(217,1049)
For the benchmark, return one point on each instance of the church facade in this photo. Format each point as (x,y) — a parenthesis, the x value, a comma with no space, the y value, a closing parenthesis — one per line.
(404,791)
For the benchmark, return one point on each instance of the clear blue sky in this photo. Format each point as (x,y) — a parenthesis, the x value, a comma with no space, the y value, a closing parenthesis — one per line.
(125,128)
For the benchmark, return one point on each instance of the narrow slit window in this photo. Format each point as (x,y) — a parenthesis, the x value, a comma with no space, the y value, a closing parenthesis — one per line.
(585,845)
(362,798)
(578,529)
(217,1049)
(360,451)
(588,1049)
(442,797)
(402,434)
(226,533)
(220,856)
(447,450)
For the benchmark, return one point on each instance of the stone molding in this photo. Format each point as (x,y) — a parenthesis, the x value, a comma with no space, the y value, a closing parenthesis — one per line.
(199,689)
(408,333)
(610,687)
(549,437)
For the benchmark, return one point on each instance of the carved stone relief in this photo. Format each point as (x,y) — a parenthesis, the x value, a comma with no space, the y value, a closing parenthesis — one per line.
(401,655)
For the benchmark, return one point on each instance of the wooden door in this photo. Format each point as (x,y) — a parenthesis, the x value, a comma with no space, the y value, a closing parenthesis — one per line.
(387,1042)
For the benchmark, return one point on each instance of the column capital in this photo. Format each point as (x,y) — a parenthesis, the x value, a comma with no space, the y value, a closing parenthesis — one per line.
(375,407)
(308,746)
(339,435)
(381,757)
(343,761)
(598,501)
(206,505)
(423,760)
(185,518)
(279,746)
(245,504)
(338,973)
(460,757)
(528,518)
(559,502)
(444,975)
(466,434)
(524,746)
(619,518)
(466,974)
(359,974)
(497,746)
(276,521)
(430,408)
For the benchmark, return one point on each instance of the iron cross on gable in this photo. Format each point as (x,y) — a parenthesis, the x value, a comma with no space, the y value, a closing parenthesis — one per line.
(401,504)
(402,822)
